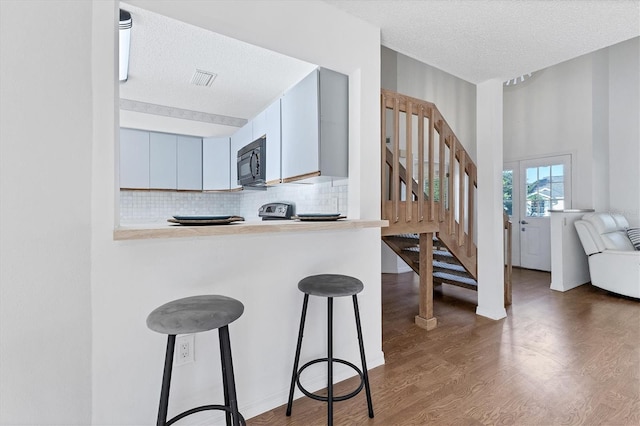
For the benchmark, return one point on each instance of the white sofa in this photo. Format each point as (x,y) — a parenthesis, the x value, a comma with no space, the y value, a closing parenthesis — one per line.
(614,264)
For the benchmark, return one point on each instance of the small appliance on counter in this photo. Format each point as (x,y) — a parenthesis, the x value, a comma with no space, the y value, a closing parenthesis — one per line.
(276,211)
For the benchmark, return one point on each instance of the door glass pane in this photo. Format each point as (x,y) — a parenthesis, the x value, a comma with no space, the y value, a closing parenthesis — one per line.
(507,191)
(545,190)
(537,191)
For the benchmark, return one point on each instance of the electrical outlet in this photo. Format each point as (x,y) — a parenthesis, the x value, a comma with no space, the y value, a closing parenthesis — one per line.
(184,351)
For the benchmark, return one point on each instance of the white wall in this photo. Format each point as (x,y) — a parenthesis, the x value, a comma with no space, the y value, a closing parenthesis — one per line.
(45,228)
(454,97)
(587,107)
(624,129)
(551,114)
(129,279)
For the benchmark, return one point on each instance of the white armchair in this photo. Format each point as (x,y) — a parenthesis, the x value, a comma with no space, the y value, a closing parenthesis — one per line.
(614,263)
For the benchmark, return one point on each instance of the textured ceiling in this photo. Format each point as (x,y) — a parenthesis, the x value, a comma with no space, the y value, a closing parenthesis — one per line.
(165,53)
(475,40)
(478,40)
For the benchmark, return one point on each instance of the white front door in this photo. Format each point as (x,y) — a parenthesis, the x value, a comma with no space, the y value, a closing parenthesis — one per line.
(543,184)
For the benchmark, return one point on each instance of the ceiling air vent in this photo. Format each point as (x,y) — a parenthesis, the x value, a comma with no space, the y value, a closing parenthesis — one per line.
(203,78)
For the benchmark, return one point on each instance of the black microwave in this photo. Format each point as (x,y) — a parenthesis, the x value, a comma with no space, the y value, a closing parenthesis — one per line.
(251,163)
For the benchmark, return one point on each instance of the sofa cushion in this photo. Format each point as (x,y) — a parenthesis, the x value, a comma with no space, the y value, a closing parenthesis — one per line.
(634,236)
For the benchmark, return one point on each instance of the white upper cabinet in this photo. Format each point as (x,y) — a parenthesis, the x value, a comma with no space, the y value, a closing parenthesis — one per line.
(315,127)
(274,142)
(162,161)
(239,139)
(215,164)
(189,162)
(134,159)
(267,123)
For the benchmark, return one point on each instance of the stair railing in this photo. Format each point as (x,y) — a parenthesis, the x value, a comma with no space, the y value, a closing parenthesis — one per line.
(439,199)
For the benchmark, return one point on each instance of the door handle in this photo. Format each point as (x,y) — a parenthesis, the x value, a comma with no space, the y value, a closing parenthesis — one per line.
(524,222)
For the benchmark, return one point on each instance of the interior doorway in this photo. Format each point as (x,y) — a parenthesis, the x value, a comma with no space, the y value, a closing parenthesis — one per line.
(531,188)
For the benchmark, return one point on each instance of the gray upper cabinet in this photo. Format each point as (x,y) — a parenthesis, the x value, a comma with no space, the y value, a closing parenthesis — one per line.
(239,139)
(315,127)
(189,163)
(152,160)
(134,159)
(162,161)
(268,124)
(215,164)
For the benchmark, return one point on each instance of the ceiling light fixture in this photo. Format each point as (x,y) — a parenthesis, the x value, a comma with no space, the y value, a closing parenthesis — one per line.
(125,41)
(517,80)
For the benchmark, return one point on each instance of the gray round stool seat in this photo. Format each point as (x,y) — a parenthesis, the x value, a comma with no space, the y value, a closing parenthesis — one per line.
(194,314)
(330,285)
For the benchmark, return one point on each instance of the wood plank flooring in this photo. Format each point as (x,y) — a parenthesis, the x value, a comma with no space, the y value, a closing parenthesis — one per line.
(558,359)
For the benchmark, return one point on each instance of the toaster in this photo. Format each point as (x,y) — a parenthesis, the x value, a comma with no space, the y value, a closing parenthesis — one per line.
(276,211)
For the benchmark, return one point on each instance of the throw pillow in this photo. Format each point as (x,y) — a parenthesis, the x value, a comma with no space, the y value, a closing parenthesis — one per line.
(634,236)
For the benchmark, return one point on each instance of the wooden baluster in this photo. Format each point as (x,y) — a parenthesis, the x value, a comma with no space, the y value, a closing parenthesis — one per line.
(432,174)
(409,167)
(471,206)
(462,186)
(395,196)
(452,201)
(421,163)
(442,174)
(383,143)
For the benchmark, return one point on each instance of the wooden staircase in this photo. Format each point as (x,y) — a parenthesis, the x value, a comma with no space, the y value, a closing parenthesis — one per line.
(429,188)
(446,268)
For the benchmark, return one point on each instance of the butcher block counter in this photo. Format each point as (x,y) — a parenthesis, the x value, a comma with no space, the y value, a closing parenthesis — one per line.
(169,230)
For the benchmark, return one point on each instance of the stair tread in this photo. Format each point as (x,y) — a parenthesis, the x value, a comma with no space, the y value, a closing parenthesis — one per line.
(456,278)
(410,236)
(449,266)
(443,253)
(413,249)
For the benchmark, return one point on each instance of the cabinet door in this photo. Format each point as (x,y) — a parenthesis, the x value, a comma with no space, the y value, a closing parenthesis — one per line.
(259,125)
(134,159)
(215,163)
(239,139)
(300,132)
(189,162)
(162,164)
(273,132)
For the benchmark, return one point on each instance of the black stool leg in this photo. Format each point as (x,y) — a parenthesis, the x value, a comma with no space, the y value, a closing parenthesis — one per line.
(330,361)
(362,357)
(296,360)
(166,381)
(228,377)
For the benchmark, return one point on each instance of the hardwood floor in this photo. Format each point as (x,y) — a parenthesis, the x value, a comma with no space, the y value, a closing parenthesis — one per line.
(558,359)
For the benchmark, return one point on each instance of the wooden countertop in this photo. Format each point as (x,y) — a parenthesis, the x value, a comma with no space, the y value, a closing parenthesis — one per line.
(160,230)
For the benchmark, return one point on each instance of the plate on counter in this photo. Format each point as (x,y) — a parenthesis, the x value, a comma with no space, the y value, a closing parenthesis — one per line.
(205,220)
(318,217)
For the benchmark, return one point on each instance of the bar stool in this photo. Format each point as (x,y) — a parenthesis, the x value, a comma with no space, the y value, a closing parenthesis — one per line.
(330,286)
(193,315)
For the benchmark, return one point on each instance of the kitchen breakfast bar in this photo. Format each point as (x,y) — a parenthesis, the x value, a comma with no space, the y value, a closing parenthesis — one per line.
(168,230)
(258,263)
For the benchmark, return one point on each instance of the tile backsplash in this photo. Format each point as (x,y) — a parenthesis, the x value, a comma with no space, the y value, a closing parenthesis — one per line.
(158,206)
